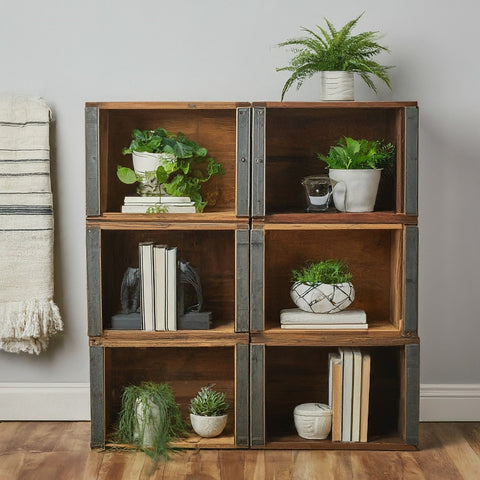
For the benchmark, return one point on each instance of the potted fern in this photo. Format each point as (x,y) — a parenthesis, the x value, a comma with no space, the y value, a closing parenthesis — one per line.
(355,167)
(150,418)
(322,287)
(208,412)
(166,163)
(338,55)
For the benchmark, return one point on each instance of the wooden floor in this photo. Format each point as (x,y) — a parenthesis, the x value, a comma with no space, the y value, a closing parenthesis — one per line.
(60,451)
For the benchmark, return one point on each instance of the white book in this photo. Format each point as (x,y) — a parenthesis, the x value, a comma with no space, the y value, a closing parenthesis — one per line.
(347,354)
(298,316)
(171,288)
(324,326)
(145,253)
(356,395)
(160,269)
(179,208)
(134,199)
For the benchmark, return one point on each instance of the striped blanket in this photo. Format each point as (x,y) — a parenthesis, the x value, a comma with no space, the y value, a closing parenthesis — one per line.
(28,315)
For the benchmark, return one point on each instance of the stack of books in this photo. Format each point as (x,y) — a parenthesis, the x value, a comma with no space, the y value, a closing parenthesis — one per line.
(158,286)
(351,319)
(349,392)
(167,204)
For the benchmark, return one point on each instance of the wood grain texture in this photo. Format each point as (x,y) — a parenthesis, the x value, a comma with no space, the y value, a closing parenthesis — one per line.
(60,450)
(328,105)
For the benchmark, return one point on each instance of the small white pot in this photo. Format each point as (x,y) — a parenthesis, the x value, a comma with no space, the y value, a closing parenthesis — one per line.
(313,421)
(356,190)
(208,426)
(148,162)
(322,297)
(149,426)
(337,86)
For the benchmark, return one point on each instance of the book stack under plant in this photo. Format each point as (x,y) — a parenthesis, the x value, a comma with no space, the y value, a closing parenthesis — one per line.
(349,391)
(158,204)
(351,319)
(158,283)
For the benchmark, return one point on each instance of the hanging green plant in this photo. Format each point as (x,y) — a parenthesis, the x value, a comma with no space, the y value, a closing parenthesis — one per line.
(182,169)
(150,418)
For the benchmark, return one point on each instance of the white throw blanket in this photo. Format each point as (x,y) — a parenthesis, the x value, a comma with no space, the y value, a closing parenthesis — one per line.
(28,315)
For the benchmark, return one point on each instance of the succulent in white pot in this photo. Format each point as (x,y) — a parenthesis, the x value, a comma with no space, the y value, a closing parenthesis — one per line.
(356,167)
(208,412)
(323,287)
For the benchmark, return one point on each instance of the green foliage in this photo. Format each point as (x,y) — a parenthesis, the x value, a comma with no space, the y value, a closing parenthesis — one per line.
(335,50)
(359,154)
(171,425)
(327,271)
(157,208)
(208,403)
(182,177)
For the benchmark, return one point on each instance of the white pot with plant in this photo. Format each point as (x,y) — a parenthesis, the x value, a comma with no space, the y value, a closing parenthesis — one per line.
(337,54)
(208,412)
(166,163)
(150,418)
(323,287)
(356,167)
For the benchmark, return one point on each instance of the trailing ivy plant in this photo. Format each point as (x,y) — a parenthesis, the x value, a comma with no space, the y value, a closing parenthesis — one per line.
(329,271)
(329,49)
(189,165)
(170,425)
(209,403)
(359,154)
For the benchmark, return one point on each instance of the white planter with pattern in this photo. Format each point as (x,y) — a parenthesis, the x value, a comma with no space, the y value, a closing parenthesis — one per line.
(322,297)
(337,86)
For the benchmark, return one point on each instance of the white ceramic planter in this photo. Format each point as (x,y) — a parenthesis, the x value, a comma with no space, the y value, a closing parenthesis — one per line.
(148,162)
(208,426)
(337,86)
(149,426)
(323,297)
(313,421)
(356,190)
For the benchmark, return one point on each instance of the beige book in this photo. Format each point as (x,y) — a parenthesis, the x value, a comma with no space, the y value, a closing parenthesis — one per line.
(364,402)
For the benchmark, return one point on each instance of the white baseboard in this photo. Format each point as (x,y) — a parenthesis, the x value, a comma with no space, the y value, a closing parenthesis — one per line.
(71,401)
(45,401)
(450,403)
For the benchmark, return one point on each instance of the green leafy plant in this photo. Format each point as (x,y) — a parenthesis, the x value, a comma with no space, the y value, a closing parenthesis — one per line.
(335,50)
(327,271)
(187,168)
(209,403)
(359,154)
(150,396)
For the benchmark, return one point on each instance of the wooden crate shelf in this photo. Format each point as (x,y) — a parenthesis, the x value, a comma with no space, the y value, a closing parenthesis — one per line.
(252,234)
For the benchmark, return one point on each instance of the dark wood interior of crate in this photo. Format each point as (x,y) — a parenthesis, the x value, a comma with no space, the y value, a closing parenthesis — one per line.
(371,254)
(213,129)
(296,375)
(210,252)
(186,370)
(294,137)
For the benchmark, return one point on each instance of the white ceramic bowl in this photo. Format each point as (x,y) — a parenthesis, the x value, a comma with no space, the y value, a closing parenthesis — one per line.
(323,297)
(313,421)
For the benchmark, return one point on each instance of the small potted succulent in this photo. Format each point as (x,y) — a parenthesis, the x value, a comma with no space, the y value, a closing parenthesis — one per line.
(322,287)
(355,167)
(338,55)
(150,418)
(166,163)
(208,412)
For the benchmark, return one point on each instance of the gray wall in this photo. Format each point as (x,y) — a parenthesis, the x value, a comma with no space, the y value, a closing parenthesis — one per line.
(98,50)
